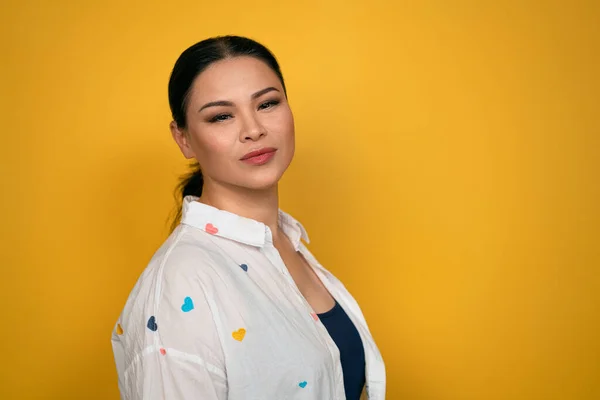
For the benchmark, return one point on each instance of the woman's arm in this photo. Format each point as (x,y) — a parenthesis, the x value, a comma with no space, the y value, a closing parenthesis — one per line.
(181,356)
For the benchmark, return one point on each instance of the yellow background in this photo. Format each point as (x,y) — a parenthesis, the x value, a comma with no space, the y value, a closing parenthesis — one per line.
(447,172)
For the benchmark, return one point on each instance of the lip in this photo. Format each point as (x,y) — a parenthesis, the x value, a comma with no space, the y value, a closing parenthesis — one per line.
(258,152)
(259,157)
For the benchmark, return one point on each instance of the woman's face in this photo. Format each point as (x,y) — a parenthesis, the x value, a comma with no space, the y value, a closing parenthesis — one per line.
(237,106)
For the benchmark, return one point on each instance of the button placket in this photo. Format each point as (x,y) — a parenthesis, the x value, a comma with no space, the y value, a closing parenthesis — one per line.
(274,257)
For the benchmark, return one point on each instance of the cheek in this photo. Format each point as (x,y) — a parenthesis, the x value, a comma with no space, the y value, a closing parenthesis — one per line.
(287,139)
(289,120)
(211,148)
(291,132)
(283,125)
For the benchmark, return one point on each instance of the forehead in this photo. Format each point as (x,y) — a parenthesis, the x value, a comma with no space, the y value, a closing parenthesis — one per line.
(232,78)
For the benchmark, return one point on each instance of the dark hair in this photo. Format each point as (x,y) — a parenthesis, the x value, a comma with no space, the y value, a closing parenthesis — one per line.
(188,66)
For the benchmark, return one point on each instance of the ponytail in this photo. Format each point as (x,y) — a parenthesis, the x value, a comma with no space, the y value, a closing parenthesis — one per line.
(189,185)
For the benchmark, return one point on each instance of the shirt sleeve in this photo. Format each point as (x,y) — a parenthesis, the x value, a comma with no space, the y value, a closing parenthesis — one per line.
(182,357)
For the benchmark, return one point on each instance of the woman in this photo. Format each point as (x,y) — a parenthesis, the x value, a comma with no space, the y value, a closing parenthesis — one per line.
(233,305)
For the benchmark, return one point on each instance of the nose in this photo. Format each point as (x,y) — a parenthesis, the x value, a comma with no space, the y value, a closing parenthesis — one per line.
(251,128)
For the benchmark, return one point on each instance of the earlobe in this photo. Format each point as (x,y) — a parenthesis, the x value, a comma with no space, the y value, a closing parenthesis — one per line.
(180,137)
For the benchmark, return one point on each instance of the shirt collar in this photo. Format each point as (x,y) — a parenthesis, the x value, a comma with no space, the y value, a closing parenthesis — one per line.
(234,227)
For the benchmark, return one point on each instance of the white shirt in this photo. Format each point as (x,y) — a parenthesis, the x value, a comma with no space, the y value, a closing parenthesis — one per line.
(216,315)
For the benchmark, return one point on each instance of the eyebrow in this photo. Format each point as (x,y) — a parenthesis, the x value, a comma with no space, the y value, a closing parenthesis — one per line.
(230,104)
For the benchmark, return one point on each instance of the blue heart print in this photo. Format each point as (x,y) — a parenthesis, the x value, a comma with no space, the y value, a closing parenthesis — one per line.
(244,267)
(152,324)
(188,305)
(303,384)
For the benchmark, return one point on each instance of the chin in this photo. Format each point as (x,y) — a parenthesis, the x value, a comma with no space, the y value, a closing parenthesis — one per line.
(264,179)
(263,183)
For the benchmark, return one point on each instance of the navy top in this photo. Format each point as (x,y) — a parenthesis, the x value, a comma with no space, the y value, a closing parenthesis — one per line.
(352,353)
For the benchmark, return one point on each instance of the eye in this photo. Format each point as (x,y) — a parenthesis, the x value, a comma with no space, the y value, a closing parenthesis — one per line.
(220,118)
(268,104)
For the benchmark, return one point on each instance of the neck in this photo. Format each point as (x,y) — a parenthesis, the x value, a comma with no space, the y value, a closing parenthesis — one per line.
(259,205)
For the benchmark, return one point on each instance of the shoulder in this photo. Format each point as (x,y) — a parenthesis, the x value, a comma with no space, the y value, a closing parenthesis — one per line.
(187,253)
(187,245)
(172,297)
(188,261)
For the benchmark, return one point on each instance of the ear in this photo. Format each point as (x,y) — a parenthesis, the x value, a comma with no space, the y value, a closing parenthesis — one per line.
(181,138)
